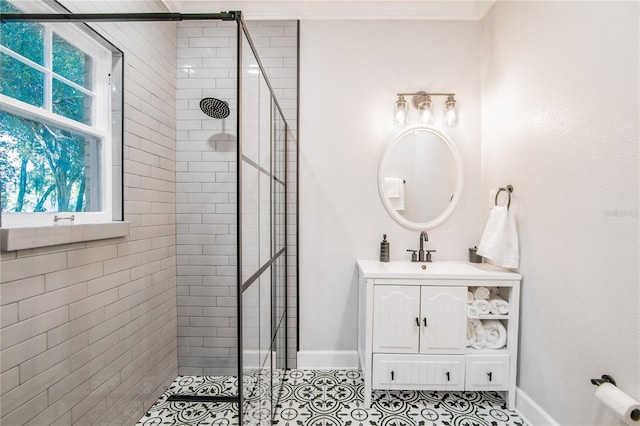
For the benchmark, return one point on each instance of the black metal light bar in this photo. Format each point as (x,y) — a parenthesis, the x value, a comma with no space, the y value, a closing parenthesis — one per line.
(116,17)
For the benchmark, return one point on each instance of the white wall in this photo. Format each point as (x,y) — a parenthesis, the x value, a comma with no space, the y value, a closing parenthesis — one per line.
(560,123)
(350,74)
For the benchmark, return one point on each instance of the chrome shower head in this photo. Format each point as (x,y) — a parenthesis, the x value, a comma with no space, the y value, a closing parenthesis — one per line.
(215,108)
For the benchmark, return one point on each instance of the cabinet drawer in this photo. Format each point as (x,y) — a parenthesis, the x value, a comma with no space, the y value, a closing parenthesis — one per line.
(487,372)
(428,372)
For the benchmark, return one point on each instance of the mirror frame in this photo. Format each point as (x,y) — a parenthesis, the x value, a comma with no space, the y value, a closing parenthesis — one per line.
(446,213)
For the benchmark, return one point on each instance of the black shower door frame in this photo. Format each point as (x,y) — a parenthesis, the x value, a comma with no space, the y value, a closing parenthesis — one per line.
(65,16)
(277,251)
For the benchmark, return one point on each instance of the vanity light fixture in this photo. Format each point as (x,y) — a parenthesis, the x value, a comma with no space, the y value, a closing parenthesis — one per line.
(421,101)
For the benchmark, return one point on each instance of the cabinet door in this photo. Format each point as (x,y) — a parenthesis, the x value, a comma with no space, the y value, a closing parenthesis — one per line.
(443,319)
(396,311)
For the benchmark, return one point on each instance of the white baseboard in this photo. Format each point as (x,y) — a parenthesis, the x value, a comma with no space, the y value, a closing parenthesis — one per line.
(328,360)
(531,412)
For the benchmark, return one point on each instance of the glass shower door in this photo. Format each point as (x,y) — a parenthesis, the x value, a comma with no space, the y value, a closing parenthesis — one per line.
(262,239)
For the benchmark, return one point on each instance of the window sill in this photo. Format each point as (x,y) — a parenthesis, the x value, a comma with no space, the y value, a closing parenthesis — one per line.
(43,236)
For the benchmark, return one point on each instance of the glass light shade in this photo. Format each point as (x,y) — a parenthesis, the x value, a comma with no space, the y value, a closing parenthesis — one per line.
(422,102)
(450,112)
(402,112)
(401,117)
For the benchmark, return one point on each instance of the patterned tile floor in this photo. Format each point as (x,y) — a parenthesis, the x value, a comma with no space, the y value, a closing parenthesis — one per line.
(327,398)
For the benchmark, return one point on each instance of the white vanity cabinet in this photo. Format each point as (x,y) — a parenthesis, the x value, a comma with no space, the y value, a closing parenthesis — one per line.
(412,328)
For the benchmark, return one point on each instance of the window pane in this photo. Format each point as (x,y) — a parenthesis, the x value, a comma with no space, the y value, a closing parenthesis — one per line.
(24,38)
(71,62)
(46,169)
(71,103)
(20,81)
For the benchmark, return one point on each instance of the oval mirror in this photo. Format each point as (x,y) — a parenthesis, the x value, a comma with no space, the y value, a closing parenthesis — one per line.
(420,177)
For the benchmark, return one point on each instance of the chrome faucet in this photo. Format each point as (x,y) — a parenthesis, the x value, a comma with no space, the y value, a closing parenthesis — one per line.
(423,237)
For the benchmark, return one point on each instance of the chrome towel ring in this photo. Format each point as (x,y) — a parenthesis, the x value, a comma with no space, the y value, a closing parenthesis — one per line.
(509,190)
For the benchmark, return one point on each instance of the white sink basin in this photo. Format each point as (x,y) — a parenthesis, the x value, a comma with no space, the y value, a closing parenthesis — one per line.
(439,269)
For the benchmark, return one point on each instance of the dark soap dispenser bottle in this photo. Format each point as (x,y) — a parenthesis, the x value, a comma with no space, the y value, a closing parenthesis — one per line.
(384,249)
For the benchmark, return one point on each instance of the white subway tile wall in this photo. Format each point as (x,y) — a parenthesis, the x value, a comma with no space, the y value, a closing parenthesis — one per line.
(88,330)
(206,188)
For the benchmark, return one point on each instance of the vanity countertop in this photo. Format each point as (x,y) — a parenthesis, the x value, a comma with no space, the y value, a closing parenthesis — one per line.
(443,269)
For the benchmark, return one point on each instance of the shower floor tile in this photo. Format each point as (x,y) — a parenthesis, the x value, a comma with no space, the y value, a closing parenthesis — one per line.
(329,398)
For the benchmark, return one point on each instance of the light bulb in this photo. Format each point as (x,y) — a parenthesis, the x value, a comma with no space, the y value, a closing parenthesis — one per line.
(426,117)
(451,118)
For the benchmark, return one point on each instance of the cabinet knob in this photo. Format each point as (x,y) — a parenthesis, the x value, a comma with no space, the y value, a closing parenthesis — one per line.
(424,320)
(448,376)
(392,375)
(490,374)
(418,321)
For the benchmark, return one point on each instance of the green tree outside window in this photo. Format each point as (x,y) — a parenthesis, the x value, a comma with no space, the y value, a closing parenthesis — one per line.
(42,166)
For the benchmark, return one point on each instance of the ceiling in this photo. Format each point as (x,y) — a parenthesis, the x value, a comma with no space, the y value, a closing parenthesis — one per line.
(341,9)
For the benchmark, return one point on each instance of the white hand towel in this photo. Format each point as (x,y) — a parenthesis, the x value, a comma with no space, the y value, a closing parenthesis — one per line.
(394,189)
(472,312)
(481,293)
(495,335)
(469,297)
(471,331)
(499,242)
(482,306)
(498,305)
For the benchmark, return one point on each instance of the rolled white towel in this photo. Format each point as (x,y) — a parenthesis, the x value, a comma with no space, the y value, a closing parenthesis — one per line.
(469,297)
(481,293)
(472,312)
(471,331)
(498,305)
(495,335)
(482,306)
(480,342)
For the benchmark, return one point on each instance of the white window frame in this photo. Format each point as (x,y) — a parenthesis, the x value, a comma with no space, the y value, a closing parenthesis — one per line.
(101,117)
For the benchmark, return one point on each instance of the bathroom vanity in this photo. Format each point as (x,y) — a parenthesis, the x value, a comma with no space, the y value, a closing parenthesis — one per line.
(412,328)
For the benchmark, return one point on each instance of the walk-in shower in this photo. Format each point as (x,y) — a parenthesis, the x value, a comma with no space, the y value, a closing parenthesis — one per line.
(235,246)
